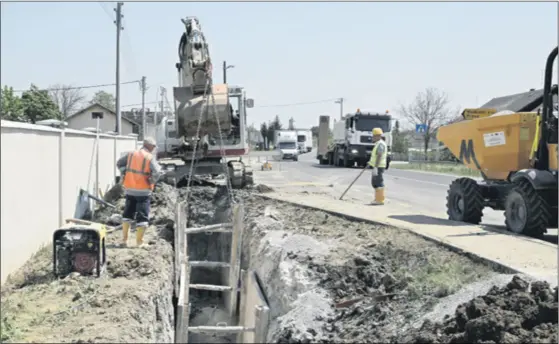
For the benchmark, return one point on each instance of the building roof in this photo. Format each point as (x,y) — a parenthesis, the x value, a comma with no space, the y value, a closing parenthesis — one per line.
(102,107)
(520,102)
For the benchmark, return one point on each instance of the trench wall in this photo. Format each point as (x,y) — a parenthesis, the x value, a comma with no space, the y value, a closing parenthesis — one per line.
(43,169)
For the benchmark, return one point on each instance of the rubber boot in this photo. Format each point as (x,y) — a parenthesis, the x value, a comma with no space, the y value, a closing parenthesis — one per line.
(379,196)
(125,231)
(140,231)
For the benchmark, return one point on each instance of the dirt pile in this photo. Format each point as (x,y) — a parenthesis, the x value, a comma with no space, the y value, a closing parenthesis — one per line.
(515,313)
(131,302)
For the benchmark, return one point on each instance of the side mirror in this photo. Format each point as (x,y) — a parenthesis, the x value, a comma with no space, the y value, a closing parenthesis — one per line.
(249,103)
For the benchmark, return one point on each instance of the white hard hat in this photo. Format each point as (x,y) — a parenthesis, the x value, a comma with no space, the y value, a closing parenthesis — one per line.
(149,141)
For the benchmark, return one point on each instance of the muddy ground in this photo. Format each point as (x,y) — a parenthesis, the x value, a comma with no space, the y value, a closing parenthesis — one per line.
(379,284)
(130,303)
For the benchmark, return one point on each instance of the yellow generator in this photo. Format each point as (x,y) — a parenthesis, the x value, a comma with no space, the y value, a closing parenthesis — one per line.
(79,246)
(516,154)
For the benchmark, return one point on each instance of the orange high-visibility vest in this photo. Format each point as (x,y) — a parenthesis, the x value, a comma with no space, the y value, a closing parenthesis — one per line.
(138,171)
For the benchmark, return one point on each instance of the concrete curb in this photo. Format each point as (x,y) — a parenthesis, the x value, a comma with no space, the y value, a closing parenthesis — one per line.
(495,265)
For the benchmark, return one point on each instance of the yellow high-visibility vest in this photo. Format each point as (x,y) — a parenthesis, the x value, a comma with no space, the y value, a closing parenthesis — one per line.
(373,160)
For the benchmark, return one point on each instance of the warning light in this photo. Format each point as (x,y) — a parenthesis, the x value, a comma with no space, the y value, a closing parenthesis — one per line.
(387,111)
(358,110)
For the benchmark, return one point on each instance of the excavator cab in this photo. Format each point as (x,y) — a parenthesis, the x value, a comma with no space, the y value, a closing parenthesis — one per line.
(516,154)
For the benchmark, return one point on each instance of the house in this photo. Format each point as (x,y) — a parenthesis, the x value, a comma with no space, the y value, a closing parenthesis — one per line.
(530,101)
(84,119)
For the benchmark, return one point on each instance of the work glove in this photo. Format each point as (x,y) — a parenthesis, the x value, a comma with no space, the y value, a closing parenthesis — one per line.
(375,172)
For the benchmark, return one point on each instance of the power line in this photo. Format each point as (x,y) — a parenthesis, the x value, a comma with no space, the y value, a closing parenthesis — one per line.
(298,104)
(81,87)
(140,104)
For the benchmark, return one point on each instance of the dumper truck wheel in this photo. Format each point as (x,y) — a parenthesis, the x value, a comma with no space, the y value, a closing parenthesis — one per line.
(526,212)
(464,201)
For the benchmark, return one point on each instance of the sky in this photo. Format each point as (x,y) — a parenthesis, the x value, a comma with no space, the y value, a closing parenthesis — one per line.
(377,56)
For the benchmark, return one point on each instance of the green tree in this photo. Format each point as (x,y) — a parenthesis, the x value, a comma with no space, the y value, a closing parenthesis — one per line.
(104,98)
(11,108)
(399,142)
(37,105)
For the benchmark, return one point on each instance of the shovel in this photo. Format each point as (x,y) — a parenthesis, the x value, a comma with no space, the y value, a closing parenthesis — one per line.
(353,182)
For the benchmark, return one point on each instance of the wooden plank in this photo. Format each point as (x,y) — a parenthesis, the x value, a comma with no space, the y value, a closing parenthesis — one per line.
(242,317)
(176,243)
(235,270)
(208,264)
(261,323)
(220,329)
(220,227)
(210,287)
(181,333)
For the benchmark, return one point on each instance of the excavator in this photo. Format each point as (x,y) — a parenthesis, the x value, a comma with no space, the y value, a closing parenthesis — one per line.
(212,134)
(516,155)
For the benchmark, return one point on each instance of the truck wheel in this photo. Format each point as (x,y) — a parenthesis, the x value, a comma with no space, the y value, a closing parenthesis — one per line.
(526,212)
(464,201)
(347,162)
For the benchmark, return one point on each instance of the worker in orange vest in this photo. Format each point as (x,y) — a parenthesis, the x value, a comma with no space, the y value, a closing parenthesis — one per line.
(140,171)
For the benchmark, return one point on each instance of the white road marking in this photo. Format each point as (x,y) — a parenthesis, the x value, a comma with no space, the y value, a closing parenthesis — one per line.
(418,181)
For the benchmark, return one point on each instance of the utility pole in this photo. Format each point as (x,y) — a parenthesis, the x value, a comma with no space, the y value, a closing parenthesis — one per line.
(144,121)
(225,68)
(341,102)
(119,27)
(162,100)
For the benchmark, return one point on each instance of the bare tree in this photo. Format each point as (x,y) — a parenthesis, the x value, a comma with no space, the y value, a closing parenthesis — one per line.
(67,98)
(431,108)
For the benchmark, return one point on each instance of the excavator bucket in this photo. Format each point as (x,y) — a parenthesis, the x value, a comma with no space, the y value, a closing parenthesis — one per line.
(494,145)
(212,108)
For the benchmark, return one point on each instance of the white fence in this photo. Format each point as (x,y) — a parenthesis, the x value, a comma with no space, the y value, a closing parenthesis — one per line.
(42,171)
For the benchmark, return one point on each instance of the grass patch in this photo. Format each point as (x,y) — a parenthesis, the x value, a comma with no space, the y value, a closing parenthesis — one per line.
(448,168)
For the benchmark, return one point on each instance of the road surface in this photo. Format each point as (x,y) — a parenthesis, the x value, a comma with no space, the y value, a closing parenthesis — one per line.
(422,191)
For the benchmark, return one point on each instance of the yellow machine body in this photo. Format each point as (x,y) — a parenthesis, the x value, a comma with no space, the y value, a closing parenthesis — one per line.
(469,114)
(79,247)
(494,145)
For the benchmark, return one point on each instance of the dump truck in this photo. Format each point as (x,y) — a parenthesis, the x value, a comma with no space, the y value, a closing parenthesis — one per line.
(516,155)
(352,142)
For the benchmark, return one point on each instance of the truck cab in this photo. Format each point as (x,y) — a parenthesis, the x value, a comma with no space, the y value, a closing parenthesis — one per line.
(286,144)
(354,139)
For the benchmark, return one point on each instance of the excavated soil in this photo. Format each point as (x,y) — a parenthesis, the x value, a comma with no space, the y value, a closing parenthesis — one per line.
(130,303)
(329,279)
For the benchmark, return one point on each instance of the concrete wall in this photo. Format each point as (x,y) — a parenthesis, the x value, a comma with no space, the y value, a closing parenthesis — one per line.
(108,123)
(42,171)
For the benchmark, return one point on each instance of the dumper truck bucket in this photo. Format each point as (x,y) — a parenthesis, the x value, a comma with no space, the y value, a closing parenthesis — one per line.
(494,145)
(189,107)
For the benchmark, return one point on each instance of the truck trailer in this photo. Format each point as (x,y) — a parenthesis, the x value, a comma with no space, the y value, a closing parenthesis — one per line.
(304,140)
(352,141)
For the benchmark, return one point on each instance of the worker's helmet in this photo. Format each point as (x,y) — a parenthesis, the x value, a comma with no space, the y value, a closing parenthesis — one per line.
(377,131)
(149,141)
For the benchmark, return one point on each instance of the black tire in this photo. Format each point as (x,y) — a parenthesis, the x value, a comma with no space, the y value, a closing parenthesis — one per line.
(526,211)
(347,162)
(295,159)
(464,201)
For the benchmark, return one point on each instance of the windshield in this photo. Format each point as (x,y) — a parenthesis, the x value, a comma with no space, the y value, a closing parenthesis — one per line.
(369,123)
(287,145)
(301,138)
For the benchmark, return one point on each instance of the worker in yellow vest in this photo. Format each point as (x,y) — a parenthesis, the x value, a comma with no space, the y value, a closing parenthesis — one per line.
(140,171)
(378,164)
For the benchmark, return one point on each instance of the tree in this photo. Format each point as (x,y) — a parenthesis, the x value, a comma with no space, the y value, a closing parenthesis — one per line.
(104,98)
(12,107)
(67,99)
(314,131)
(37,105)
(429,108)
(264,132)
(399,141)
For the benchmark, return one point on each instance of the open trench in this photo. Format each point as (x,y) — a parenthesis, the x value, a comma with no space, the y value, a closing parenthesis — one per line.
(325,278)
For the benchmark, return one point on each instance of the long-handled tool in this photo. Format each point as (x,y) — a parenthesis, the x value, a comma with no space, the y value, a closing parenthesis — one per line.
(353,182)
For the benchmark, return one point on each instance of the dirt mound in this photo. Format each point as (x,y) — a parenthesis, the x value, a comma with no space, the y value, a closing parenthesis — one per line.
(512,314)
(131,302)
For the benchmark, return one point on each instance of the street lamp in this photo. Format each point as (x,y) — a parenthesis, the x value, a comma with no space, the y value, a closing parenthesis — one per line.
(225,68)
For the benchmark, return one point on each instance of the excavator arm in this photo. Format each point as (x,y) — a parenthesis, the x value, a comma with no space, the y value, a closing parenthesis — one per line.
(197,98)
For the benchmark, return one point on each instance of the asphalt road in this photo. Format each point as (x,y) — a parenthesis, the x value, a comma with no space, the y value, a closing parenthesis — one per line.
(421,191)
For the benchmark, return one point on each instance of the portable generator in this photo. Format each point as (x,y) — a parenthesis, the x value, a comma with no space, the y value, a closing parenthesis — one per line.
(79,247)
